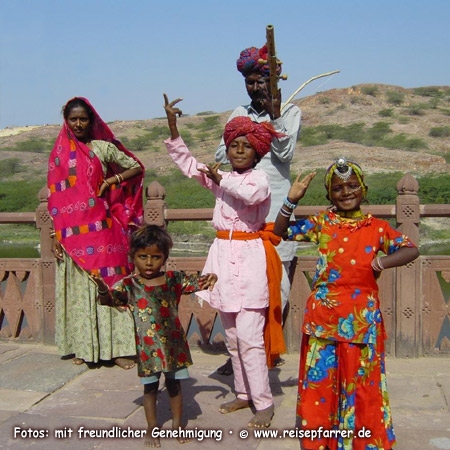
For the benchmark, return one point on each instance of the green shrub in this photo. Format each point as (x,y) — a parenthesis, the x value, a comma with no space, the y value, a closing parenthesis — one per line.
(209,123)
(34,145)
(439,132)
(21,196)
(355,100)
(370,90)
(206,113)
(324,100)
(311,136)
(434,103)
(416,110)
(387,112)
(395,97)
(9,167)
(428,91)
(434,189)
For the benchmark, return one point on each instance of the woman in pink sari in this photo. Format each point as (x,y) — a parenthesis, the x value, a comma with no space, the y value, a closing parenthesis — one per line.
(94,197)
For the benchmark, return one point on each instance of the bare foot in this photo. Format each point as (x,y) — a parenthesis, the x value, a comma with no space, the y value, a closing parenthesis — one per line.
(151,441)
(77,361)
(234,405)
(262,418)
(183,439)
(125,363)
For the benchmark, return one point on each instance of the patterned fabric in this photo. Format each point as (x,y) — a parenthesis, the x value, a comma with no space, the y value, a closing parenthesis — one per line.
(342,386)
(342,383)
(160,338)
(259,135)
(344,304)
(92,229)
(83,327)
(249,61)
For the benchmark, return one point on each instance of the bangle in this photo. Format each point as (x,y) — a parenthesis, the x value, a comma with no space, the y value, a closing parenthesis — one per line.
(284,213)
(52,233)
(102,293)
(376,264)
(106,182)
(119,178)
(290,205)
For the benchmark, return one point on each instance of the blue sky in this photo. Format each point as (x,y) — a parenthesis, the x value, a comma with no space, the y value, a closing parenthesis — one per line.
(123,54)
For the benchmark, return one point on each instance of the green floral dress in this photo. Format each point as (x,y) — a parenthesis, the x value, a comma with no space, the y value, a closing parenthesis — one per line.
(160,339)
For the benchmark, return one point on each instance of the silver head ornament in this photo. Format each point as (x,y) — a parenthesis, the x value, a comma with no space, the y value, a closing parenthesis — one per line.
(343,170)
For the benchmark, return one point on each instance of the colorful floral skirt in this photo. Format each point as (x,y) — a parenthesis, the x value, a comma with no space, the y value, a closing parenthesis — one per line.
(342,396)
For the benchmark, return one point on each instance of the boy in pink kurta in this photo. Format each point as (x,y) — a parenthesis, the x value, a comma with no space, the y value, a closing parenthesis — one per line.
(241,292)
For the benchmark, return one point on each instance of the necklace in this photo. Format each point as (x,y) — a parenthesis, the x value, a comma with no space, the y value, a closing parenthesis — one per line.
(356,214)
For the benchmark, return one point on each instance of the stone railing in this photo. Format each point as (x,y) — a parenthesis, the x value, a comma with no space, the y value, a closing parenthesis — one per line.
(414,298)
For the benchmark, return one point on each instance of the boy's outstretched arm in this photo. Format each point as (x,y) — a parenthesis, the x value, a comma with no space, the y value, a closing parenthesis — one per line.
(295,194)
(171,113)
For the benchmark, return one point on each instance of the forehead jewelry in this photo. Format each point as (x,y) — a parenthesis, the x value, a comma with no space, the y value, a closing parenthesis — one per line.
(344,175)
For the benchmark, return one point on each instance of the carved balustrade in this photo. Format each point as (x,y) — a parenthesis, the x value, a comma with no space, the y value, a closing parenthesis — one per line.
(414,298)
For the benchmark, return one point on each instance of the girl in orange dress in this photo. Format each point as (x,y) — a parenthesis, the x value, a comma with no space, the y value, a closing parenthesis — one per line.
(342,380)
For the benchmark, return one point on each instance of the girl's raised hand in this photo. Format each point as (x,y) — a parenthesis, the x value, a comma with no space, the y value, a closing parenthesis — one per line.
(212,173)
(208,281)
(299,187)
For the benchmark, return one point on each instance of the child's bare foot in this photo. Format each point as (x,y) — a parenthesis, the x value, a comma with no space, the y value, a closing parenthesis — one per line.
(151,441)
(124,363)
(77,361)
(183,439)
(234,405)
(262,418)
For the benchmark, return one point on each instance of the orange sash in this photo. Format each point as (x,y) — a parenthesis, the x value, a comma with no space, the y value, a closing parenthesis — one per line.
(273,330)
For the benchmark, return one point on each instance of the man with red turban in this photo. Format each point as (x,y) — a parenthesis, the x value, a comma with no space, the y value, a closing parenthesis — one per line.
(277,162)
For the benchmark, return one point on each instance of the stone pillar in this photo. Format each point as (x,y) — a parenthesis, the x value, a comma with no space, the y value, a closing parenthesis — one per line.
(408,286)
(155,207)
(44,224)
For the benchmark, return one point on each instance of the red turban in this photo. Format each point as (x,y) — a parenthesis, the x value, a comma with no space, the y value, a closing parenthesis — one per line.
(259,135)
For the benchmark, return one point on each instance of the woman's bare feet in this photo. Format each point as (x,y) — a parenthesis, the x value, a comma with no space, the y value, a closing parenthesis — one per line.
(150,441)
(77,361)
(124,363)
(262,418)
(234,405)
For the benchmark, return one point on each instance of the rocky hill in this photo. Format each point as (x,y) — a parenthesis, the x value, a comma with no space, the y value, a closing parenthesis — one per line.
(385,128)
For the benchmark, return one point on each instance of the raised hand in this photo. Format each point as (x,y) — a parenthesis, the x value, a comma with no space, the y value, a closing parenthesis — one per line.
(273,105)
(172,112)
(299,187)
(212,173)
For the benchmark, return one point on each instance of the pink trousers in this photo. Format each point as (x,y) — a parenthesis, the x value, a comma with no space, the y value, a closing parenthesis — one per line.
(245,342)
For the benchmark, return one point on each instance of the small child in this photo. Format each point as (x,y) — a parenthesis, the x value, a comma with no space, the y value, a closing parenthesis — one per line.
(242,255)
(153,296)
(342,379)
